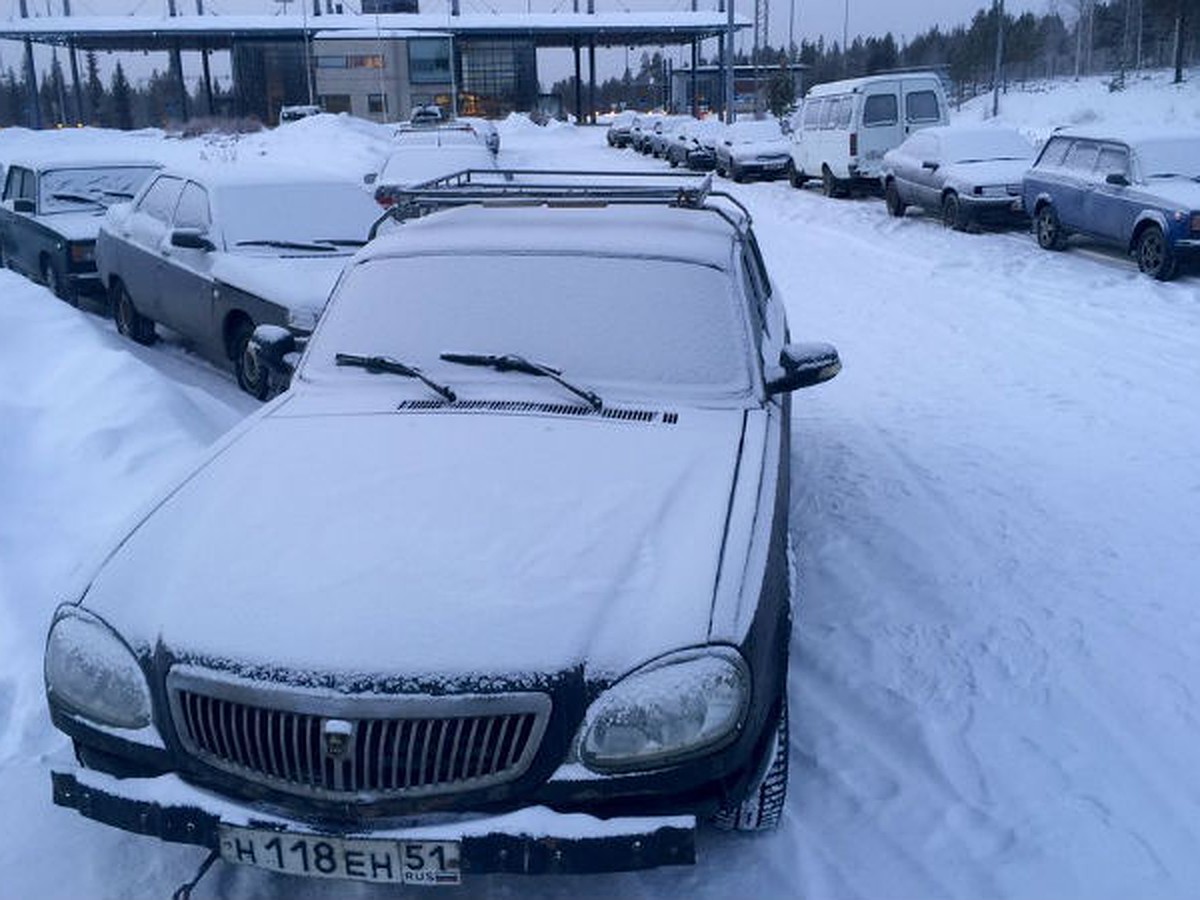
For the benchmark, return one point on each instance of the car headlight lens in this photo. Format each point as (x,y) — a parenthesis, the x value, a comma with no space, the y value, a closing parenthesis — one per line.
(83,253)
(673,709)
(90,670)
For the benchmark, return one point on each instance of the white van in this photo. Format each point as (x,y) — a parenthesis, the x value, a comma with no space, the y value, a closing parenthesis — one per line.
(844,127)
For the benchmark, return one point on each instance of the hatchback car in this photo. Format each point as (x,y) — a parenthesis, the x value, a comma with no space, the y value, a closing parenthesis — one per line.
(213,251)
(966,174)
(529,607)
(1137,190)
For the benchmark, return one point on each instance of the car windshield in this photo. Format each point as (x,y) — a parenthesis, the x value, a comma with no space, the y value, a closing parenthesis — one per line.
(750,132)
(295,213)
(982,146)
(73,189)
(649,325)
(1178,156)
(413,165)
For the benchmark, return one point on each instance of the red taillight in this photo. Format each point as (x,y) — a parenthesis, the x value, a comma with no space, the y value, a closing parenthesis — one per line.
(854,143)
(385,201)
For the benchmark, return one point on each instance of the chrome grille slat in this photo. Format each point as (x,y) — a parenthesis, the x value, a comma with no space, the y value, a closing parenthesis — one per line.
(399,745)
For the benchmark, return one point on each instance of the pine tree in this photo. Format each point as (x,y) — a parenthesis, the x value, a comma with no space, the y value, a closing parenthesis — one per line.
(122,111)
(95,91)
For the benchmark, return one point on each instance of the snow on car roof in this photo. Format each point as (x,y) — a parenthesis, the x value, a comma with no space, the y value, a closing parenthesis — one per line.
(63,159)
(687,234)
(1134,134)
(243,172)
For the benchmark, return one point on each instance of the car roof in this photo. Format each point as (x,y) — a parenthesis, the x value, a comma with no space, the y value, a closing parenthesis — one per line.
(45,162)
(1134,134)
(692,235)
(252,172)
(853,85)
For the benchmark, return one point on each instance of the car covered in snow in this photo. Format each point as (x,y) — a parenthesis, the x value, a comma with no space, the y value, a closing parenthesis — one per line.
(618,134)
(416,162)
(1136,189)
(967,174)
(753,149)
(528,609)
(695,143)
(50,214)
(215,250)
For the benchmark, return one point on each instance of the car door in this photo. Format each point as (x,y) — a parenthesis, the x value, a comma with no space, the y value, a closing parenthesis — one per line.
(882,127)
(922,106)
(912,179)
(1074,179)
(20,249)
(1110,208)
(185,288)
(142,236)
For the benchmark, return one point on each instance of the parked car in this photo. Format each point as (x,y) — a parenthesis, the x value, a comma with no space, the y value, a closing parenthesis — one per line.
(213,251)
(1139,190)
(640,132)
(966,174)
(844,128)
(753,149)
(618,134)
(528,610)
(447,135)
(410,165)
(664,133)
(298,112)
(688,148)
(50,214)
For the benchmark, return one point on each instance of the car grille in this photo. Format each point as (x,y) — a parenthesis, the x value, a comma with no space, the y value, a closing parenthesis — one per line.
(357,747)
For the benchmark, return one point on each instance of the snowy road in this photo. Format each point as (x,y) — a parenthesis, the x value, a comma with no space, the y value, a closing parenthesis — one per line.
(995,663)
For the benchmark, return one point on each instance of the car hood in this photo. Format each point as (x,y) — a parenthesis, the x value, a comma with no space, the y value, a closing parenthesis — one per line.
(434,543)
(755,149)
(988,172)
(1181,192)
(75,226)
(300,283)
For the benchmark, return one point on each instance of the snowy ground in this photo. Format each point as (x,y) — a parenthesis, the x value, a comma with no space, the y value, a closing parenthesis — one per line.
(995,666)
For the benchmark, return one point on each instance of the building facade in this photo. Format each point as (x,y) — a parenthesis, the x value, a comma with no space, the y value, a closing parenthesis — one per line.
(383,78)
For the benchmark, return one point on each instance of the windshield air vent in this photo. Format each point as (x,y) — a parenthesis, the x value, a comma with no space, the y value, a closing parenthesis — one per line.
(521,407)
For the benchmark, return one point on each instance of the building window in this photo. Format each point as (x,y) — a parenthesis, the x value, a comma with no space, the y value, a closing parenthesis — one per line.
(331,62)
(366,61)
(335,103)
(429,61)
(377,103)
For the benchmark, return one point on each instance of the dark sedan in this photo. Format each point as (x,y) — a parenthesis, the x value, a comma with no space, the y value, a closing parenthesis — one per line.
(1139,191)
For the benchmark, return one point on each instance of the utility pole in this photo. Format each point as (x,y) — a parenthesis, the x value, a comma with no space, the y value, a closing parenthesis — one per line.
(999,7)
(730,115)
(73,57)
(35,109)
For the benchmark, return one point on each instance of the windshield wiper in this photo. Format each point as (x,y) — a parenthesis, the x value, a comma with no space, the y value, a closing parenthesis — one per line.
(286,245)
(510,362)
(394,367)
(340,242)
(76,198)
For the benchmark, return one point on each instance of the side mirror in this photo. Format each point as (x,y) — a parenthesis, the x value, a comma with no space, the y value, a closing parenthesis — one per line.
(370,177)
(805,365)
(191,239)
(930,165)
(270,345)
(23,205)
(1116,178)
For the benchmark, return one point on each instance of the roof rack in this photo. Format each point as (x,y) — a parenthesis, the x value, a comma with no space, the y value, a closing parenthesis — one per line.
(559,188)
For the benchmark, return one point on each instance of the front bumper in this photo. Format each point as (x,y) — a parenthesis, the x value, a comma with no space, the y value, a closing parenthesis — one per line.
(532,841)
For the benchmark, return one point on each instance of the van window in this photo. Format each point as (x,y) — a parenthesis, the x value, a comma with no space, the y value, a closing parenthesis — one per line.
(812,114)
(829,114)
(880,109)
(921,106)
(1082,156)
(845,111)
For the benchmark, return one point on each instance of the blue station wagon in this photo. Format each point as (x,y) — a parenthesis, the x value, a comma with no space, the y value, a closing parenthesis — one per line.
(1138,190)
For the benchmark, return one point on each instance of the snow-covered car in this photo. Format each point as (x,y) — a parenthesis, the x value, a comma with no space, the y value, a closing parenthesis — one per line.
(416,163)
(754,148)
(641,131)
(695,145)
(618,133)
(1137,189)
(213,251)
(529,607)
(50,215)
(664,133)
(967,174)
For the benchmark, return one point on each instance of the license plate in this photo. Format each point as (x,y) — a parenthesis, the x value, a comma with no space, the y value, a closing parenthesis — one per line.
(422,863)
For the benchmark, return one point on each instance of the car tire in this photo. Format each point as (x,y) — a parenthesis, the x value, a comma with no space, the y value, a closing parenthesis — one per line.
(796,177)
(763,806)
(736,173)
(56,283)
(251,377)
(953,215)
(130,322)
(895,204)
(829,184)
(1048,229)
(1154,257)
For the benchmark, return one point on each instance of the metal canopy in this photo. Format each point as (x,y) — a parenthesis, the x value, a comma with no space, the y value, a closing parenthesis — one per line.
(222,32)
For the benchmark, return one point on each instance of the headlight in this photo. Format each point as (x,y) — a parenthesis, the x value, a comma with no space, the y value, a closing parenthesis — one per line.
(89,669)
(83,253)
(673,709)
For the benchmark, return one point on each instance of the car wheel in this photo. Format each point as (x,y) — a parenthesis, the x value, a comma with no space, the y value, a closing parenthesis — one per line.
(130,322)
(796,177)
(1154,257)
(829,184)
(251,376)
(952,213)
(1049,231)
(736,173)
(763,806)
(56,284)
(891,196)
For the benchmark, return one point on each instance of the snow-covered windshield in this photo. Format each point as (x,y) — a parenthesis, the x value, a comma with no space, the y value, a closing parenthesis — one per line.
(750,132)
(984,145)
(71,190)
(413,165)
(292,211)
(602,320)
(1170,156)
